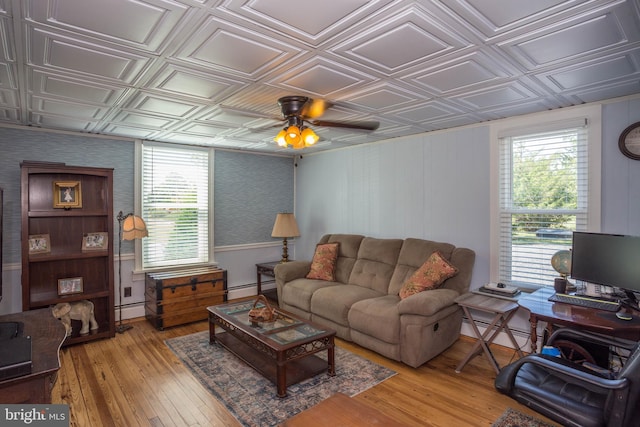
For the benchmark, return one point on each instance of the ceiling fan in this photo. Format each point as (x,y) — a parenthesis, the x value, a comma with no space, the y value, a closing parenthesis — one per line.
(298,109)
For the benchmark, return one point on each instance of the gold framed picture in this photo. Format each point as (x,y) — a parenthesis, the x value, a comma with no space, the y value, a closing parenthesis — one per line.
(98,241)
(39,244)
(71,285)
(67,194)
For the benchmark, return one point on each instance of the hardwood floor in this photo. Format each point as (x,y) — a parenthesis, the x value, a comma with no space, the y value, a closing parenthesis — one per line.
(135,380)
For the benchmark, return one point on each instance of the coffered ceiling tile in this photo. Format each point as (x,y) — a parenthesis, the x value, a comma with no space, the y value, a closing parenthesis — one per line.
(70,109)
(403,39)
(225,47)
(427,112)
(143,24)
(382,97)
(162,106)
(204,129)
(461,74)
(142,120)
(612,90)
(48,49)
(61,86)
(599,72)
(497,96)
(130,131)
(7,79)
(9,115)
(9,98)
(184,82)
(310,21)
(60,122)
(6,35)
(569,41)
(321,77)
(496,18)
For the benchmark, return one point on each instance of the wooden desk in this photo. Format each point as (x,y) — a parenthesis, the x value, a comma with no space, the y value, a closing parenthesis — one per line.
(47,335)
(603,322)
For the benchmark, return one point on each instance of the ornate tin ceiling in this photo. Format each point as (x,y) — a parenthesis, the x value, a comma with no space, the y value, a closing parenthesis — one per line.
(210,72)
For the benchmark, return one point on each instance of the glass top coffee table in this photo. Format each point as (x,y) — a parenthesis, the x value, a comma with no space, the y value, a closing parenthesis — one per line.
(283,351)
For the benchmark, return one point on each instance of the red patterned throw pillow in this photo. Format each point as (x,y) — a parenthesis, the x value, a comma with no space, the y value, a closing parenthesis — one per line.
(430,275)
(323,265)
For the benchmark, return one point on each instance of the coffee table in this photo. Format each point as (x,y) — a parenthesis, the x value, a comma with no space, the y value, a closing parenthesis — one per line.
(283,351)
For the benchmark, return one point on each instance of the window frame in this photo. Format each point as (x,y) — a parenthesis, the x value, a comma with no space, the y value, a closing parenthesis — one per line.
(138,191)
(535,123)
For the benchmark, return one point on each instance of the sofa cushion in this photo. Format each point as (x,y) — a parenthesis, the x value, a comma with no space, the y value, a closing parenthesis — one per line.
(347,253)
(375,264)
(323,264)
(298,292)
(430,275)
(334,302)
(377,317)
(413,254)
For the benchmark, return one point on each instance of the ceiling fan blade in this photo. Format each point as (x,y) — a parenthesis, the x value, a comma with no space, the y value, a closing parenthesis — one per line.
(247,113)
(367,125)
(314,108)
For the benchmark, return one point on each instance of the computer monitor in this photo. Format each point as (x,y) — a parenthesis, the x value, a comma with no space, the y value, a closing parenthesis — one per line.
(607,259)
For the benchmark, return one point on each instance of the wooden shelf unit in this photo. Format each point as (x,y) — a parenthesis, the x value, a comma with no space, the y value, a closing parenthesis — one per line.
(66,228)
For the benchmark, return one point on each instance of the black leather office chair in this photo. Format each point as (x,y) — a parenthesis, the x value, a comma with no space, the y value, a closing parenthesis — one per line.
(572,394)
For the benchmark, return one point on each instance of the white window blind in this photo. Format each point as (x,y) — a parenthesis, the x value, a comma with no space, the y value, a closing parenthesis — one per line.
(175,205)
(543,199)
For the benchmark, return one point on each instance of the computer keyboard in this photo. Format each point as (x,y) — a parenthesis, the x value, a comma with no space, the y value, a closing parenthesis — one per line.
(584,301)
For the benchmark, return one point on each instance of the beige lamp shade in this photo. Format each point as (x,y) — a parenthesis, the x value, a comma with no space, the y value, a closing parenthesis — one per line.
(285,226)
(134,227)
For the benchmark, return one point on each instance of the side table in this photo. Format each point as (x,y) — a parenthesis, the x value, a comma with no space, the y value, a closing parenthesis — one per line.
(502,311)
(266,269)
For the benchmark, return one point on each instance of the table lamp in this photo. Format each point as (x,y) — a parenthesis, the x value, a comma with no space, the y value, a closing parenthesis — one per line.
(285,227)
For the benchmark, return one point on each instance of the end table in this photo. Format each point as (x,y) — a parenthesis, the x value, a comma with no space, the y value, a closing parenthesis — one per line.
(502,310)
(266,269)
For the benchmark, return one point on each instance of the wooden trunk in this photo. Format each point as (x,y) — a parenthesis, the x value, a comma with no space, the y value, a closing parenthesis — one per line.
(183,297)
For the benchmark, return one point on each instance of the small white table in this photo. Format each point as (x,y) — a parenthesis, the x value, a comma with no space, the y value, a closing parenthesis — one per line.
(503,311)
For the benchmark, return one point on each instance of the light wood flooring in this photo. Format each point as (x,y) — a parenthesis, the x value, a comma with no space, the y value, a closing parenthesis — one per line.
(135,380)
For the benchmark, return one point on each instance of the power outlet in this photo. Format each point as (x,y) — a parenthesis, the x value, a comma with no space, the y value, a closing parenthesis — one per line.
(127,291)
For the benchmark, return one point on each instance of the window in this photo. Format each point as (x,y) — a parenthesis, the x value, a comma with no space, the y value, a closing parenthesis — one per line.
(545,179)
(175,205)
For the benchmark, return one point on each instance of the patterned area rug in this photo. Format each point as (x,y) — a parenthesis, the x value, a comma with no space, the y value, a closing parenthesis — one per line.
(513,418)
(252,399)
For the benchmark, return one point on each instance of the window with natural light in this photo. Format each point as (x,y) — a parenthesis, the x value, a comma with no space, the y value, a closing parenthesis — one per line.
(175,205)
(543,199)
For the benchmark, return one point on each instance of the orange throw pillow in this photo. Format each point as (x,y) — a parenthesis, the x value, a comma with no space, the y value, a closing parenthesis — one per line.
(430,275)
(323,265)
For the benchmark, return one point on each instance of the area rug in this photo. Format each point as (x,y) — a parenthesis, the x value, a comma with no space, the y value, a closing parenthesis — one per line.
(252,399)
(513,418)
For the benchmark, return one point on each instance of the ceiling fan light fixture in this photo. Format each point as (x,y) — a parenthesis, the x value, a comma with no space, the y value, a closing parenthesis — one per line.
(309,137)
(280,138)
(293,135)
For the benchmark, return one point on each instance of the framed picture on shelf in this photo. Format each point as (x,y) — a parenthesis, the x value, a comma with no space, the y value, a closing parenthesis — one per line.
(98,241)
(67,194)
(39,244)
(72,285)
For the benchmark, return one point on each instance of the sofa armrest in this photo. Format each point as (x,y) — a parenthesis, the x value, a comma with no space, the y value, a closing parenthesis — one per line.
(288,271)
(428,303)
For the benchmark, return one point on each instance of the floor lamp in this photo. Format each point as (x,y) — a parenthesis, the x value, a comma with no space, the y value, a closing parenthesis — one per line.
(130,227)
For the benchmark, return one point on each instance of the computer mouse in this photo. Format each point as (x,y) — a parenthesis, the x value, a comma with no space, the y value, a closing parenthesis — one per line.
(623,316)
(501,285)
